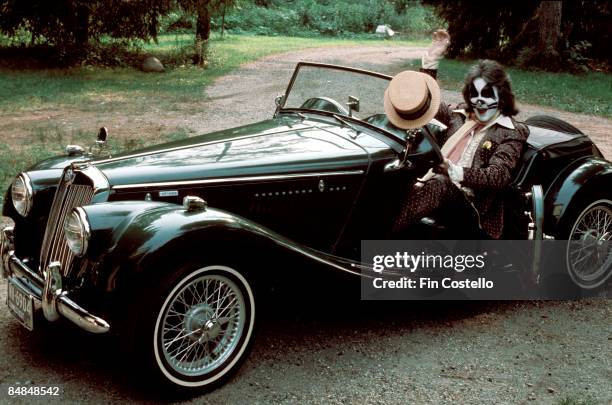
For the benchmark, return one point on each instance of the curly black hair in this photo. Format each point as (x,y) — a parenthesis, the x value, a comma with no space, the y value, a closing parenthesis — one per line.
(494,74)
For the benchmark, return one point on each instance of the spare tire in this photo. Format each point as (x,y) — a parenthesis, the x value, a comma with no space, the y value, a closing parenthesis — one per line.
(553,123)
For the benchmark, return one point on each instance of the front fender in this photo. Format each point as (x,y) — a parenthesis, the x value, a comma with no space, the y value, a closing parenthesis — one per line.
(44,184)
(134,240)
(576,182)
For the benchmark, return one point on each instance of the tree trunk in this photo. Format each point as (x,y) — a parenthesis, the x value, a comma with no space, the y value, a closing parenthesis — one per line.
(202,35)
(223,19)
(81,31)
(73,44)
(549,17)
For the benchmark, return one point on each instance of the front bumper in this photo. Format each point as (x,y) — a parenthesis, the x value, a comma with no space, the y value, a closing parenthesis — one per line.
(47,292)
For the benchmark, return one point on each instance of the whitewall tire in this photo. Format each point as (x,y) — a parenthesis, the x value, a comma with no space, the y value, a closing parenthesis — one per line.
(203,327)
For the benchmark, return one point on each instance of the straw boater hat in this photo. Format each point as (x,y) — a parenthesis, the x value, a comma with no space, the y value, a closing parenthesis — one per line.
(412,99)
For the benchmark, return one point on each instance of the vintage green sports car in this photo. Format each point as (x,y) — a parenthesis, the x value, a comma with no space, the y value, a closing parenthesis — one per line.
(172,247)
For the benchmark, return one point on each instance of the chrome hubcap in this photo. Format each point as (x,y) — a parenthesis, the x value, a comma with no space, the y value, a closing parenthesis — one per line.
(202,324)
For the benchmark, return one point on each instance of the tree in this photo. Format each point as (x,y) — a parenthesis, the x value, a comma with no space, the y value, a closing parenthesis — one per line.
(587,23)
(546,34)
(70,25)
(539,42)
(483,29)
(204,10)
(549,16)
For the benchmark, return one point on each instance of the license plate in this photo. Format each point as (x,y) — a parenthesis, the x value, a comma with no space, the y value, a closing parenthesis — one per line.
(21,304)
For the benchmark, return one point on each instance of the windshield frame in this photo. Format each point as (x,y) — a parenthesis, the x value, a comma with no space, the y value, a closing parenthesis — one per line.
(329,66)
(357,121)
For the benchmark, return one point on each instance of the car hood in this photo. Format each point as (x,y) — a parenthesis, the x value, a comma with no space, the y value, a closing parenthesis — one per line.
(275,146)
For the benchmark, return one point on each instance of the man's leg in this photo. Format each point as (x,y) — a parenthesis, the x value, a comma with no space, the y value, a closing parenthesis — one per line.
(424,198)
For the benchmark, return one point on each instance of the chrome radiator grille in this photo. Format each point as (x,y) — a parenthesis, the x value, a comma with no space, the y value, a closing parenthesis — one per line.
(54,247)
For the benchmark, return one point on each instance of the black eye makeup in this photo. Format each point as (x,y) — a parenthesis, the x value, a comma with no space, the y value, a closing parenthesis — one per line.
(487,91)
(473,91)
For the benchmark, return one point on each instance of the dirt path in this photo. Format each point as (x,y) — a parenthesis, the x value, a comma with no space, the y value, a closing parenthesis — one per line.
(476,352)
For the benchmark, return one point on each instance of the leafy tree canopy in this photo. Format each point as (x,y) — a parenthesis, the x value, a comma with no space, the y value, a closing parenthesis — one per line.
(511,32)
(70,24)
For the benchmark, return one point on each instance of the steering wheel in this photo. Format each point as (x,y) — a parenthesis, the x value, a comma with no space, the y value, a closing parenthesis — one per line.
(325,104)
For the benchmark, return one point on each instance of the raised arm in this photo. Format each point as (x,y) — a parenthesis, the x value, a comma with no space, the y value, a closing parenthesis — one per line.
(431,59)
(429,65)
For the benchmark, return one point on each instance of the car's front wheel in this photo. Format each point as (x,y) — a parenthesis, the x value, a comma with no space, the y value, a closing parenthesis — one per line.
(200,327)
(589,249)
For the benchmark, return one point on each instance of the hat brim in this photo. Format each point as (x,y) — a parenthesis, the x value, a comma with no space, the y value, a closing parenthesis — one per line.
(431,112)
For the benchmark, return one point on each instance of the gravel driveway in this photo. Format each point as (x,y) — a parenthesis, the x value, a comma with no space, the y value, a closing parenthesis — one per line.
(472,352)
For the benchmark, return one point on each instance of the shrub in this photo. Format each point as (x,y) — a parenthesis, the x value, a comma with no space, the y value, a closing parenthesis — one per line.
(326,17)
(177,22)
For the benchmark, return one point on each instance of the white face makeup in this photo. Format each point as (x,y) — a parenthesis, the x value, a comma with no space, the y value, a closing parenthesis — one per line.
(484,99)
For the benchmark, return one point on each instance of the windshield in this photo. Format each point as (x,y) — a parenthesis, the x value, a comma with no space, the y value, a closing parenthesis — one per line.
(330,89)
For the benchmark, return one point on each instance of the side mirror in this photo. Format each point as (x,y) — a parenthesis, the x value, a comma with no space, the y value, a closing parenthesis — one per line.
(102,136)
(278,101)
(353,105)
(100,142)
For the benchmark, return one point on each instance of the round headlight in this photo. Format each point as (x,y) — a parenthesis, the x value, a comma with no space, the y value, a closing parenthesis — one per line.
(21,193)
(76,229)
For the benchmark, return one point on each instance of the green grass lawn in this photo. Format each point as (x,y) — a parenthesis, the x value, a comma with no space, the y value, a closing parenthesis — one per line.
(30,89)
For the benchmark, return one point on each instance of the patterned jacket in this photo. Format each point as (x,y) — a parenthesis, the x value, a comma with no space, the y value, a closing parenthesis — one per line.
(492,169)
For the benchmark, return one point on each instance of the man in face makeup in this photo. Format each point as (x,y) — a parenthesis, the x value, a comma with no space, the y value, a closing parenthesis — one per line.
(482,146)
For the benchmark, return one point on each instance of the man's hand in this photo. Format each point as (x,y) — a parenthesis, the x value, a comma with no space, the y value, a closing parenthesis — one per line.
(437,49)
(451,170)
(455,172)
(442,168)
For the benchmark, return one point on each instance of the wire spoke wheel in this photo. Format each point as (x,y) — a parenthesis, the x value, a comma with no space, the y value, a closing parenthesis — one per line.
(589,250)
(204,326)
